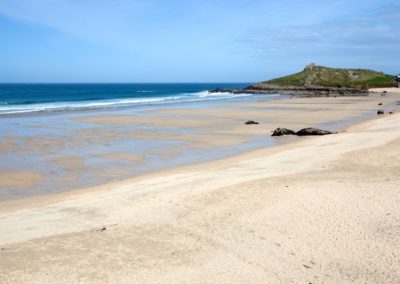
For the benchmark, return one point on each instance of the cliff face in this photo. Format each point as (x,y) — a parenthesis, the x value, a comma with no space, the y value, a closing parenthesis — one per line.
(314,75)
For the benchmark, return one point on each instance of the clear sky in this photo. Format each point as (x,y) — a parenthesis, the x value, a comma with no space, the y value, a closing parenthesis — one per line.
(192,41)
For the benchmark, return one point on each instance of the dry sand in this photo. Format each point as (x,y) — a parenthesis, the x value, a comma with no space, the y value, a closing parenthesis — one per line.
(390,90)
(320,210)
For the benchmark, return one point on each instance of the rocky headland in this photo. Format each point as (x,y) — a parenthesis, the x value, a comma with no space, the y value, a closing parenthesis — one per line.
(317,80)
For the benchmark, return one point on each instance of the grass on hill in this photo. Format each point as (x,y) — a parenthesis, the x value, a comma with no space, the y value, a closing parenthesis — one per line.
(333,77)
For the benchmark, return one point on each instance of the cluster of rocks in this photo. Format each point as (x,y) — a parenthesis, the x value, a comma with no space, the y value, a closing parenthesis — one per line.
(307,90)
(303,91)
(381,112)
(302,132)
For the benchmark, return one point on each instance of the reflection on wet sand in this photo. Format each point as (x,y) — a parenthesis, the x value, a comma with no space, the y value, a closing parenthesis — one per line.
(43,154)
(18,178)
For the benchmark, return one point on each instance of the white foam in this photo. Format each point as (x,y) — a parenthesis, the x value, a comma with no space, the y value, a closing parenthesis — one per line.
(114,103)
(59,106)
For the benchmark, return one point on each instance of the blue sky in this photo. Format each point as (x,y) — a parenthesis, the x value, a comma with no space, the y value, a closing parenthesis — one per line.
(192,41)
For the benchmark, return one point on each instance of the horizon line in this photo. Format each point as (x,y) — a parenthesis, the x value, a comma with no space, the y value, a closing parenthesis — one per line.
(214,82)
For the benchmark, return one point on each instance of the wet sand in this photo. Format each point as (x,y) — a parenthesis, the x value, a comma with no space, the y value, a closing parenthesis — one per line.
(80,150)
(318,210)
(17,179)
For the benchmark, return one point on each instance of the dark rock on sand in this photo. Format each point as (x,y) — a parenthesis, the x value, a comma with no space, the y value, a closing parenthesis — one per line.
(381,111)
(379,104)
(302,132)
(313,131)
(251,122)
(283,131)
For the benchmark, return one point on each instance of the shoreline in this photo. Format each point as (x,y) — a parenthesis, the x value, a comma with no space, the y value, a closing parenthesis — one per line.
(108,97)
(8,206)
(250,110)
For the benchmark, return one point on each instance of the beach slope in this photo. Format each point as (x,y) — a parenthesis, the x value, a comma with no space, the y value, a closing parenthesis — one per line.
(321,210)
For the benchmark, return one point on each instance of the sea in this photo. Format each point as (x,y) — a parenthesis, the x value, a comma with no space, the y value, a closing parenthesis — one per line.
(47,146)
(34,98)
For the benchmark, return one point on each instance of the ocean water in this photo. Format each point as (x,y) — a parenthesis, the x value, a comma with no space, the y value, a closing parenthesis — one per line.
(31,98)
(43,130)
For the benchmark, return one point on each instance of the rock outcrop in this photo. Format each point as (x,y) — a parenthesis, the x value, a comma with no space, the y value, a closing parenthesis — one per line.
(249,122)
(317,80)
(307,90)
(313,131)
(310,131)
(302,91)
(282,131)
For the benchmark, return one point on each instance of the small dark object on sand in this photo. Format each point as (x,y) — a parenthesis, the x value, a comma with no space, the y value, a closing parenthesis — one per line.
(381,111)
(390,112)
(282,131)
(313,131)
(251,122)
(379,104)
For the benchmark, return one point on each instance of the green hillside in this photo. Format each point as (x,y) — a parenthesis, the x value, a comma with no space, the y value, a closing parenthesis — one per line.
(332,77)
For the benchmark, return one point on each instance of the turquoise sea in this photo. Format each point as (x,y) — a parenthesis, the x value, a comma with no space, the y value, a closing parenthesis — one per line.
(33,98)
(43,132)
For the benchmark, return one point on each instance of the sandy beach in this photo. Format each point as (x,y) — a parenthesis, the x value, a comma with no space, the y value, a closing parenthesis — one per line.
(86,149)
(317,210)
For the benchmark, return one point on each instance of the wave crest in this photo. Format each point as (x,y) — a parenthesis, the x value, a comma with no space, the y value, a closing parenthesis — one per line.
(114,103)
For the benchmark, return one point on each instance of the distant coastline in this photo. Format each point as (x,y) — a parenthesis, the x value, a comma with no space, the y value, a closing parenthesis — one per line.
(315,81)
